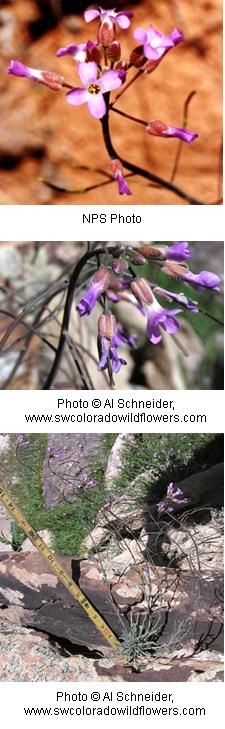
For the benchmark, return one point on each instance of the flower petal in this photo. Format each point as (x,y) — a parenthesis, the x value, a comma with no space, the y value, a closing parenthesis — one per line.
(109,80)
(96,105)
(88,72)
(77,96)
(91,15)
(141,35)
(78,52)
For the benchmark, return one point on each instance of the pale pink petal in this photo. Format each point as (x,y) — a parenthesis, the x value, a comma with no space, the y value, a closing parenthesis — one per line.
(96,105)
(78,96)
(91,15)
(141,35)
(88,72)
(109,80)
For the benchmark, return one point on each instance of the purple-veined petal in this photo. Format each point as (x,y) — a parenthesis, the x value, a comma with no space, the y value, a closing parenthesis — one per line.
(88,73)
(170,324)
(78,96)
(109,80)
(96,105)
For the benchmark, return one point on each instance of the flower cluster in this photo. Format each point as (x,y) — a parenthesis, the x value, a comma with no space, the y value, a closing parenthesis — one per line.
(102,68)
(172,497)
(117,281)
(21,441)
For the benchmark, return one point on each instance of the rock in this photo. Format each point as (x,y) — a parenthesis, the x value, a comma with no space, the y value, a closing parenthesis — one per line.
(27,545)
(126,593)
(27,580)
(115,460)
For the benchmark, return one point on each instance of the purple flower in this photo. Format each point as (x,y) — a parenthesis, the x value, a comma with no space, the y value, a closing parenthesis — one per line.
(198,281)
(21,441)
(180,298)
(155,43)
(98,284)
(157,316)
(48,78)
(77,52)
(178,251)
(170,498)
(158,128)
(121,337)
(94,88)
(107,344)
(122,18)
(53,454)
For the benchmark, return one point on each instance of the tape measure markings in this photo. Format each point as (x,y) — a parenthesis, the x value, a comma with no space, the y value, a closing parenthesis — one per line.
(61,573)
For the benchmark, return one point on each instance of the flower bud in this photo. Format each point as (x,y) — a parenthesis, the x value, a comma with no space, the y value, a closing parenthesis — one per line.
(94,52)
(119,266)
(106,33)
(137,58)
(114,51)
(137,258)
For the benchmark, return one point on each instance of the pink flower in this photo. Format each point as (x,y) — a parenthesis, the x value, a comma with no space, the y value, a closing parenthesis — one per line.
(48,78)
(97,285)
(160,129)
(155,43)
(94,89)
(123,19)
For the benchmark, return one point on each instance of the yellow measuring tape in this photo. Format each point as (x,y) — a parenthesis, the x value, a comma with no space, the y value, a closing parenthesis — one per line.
(61,573)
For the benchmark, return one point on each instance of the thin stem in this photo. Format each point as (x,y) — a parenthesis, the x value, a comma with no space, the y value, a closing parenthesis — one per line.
(139,170)
(66,316)
(125,87)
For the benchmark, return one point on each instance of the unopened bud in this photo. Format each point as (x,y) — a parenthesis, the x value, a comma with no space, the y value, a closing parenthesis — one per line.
(119,266)
(106,33)
(114,51)
(150,65)
(137,57)
(94,52)
(107,326)
(137,258)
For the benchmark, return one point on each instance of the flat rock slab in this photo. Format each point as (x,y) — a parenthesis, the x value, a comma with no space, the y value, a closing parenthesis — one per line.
(26,580)
(63,476)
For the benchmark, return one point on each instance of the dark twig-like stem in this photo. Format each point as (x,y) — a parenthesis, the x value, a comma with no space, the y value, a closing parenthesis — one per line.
(139,170)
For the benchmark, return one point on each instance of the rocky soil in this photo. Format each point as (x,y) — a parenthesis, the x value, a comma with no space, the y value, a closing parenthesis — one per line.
(42,136)
(132,563)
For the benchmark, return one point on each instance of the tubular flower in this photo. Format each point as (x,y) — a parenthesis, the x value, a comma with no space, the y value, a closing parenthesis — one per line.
(107,344)
(160,129)
(47,78)
(180,298)
(98,284)
(116,168)
(198,281)
(172,497)
(122,18)
(155,44)
(157,316)
(94,88)
(79,52)
(177,252)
